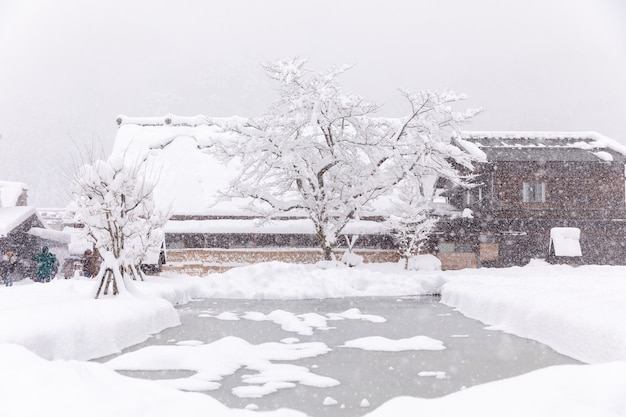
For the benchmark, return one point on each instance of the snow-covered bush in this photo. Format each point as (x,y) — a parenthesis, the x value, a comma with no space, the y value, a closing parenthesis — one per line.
(426,262)
(351,259)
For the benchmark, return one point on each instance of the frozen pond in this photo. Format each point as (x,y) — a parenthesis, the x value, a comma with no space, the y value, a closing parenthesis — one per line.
(472,354)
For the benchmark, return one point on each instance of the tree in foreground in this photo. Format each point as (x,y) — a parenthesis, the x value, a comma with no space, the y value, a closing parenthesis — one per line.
(114,202)
(322,154)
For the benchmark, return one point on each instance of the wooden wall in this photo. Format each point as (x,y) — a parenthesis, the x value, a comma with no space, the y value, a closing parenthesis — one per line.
(203,261)
(569,185)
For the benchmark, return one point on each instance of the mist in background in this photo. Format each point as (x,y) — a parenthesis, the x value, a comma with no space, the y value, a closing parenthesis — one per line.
(69,67)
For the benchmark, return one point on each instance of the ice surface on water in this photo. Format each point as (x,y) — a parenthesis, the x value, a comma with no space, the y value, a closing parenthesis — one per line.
(310,371)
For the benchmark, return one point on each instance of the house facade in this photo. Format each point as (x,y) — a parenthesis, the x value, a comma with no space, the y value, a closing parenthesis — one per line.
(525,184)
(528,184)
(22,230)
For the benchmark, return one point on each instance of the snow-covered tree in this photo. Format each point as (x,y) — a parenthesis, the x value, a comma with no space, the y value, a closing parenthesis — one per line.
(321,153)
(410,222)
(114,202)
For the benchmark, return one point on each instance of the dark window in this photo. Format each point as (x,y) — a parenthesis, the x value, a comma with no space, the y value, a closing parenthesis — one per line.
(303,241)
(217,241)
(463,247)
(241,240)
(193,240)
(282,240)
(173,240)
(266,241)
(375,242)
(446,247)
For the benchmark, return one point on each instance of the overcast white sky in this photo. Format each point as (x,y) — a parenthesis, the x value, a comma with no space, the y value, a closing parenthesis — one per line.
(69,67)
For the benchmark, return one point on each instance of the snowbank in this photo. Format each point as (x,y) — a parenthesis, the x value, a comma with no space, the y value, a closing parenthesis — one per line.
(579,312)
(568,390)
(277,280)
(61,320)
(79,389)
(426,262)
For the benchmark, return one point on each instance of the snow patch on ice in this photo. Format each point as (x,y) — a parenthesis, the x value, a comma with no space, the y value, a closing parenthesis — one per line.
(380,343)
(304,324)
(213,361)
(436,374)
(330,401)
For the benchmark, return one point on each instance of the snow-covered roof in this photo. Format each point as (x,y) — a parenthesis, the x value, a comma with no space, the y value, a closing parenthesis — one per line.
(544,146)
(173,120)
(12,217)
(50,234)
(471,148)
(10,192)
(179,154)
(53,217)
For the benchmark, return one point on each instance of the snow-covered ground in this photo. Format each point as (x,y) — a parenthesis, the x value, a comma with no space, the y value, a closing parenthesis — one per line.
(47,331)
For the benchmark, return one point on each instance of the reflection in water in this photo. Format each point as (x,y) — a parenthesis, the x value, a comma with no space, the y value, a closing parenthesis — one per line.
(472,356)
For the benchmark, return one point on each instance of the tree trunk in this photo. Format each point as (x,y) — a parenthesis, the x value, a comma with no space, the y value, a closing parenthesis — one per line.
(105,282)
(327,248)
(136,272)
(328,251)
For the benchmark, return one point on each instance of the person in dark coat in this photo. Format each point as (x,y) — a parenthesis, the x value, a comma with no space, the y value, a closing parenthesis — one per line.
(48,265)
(4,264)
(7,268)
(91,263)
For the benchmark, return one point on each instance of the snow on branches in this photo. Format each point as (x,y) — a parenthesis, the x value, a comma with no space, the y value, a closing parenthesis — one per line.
(114,202)
(321,153)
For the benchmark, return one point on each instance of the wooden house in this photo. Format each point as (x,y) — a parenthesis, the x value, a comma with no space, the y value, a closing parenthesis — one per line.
(22,229)
(525,184)
(528,184)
